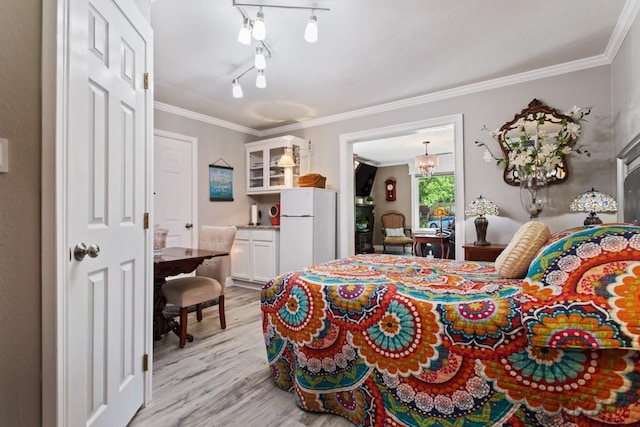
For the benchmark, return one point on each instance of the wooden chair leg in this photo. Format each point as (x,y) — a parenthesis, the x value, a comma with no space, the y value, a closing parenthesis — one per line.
(199,312)
(223,321)
(183,325)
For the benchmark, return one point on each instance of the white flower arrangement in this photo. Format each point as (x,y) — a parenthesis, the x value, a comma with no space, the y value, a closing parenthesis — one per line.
(535,150)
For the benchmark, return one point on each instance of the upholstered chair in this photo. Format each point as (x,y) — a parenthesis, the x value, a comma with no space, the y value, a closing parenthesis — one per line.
(209,281)
(394,232)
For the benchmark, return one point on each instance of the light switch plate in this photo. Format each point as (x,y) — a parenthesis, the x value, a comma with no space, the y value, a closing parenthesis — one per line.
(4,155)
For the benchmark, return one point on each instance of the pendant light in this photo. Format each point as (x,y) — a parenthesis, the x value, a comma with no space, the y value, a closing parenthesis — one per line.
(311,31)
(236,89)
(260,61)
(261,80)
(244,36)
(259,31)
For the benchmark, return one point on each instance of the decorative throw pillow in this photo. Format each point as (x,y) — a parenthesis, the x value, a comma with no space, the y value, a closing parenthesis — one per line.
(395,232)
(514,261)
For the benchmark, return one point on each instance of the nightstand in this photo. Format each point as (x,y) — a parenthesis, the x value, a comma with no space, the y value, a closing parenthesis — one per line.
(482,253)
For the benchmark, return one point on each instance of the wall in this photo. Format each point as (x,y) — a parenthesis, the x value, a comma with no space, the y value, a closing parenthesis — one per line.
(20,353)
(402,203)
(625,74)
(493,108)
(214,142)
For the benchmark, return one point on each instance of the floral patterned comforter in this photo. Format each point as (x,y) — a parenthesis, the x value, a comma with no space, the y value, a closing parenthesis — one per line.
(384,340)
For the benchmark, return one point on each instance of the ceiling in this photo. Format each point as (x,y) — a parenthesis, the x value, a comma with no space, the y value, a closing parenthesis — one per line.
(369,52)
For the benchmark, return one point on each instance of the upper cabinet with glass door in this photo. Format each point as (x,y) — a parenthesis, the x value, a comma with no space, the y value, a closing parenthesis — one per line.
(266,170)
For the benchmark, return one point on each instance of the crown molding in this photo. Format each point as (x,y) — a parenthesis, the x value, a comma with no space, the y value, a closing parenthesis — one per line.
(626,19)
(183,112)
(627,16)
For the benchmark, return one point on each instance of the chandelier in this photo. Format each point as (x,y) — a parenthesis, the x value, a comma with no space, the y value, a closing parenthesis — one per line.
(426,164)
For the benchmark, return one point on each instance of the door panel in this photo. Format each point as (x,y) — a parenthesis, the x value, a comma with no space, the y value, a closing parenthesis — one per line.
(106,184)
(173,198)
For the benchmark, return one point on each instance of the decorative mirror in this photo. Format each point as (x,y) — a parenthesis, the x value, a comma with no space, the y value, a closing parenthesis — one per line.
(537,130)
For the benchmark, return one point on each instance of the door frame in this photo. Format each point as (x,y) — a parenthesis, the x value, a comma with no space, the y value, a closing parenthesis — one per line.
(194,175)
(55,251)
(347,197)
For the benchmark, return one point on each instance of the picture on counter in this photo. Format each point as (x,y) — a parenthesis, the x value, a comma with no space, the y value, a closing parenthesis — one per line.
(220,183)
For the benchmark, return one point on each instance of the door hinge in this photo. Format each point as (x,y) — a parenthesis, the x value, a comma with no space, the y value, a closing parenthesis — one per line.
(146,221)
(145,363)
(146,81)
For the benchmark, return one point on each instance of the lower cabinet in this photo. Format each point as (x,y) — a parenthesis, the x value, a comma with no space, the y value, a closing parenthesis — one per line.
(254,255)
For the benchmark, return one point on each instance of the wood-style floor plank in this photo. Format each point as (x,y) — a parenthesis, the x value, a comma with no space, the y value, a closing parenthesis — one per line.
(222,378)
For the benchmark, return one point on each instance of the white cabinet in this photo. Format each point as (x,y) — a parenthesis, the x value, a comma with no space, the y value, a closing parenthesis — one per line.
(263,173)
(255,255)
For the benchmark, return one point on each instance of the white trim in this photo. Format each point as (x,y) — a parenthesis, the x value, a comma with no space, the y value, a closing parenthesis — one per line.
(625,20)
(183,112)
(541,73)
(194,176)
(346,196)
(54,257)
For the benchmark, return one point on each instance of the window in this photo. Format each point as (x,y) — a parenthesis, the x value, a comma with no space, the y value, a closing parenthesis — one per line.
(439,190)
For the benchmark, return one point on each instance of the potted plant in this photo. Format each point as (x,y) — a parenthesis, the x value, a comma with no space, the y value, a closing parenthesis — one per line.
(369,200)
(362,223)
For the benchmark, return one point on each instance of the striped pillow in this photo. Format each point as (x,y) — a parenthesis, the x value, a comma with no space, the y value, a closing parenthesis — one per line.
(514,261)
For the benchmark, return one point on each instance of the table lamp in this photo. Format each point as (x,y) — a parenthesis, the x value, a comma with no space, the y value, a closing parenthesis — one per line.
(481,207)
(440,211)
(594,202)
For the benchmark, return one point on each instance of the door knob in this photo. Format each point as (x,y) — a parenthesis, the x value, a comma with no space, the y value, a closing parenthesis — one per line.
(188,225)
(81,250)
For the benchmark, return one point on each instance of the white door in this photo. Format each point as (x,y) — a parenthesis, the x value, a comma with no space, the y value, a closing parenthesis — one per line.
(174,187)
(107,185)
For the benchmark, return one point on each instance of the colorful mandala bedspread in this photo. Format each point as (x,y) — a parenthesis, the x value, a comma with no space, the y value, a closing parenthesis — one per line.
(405,341)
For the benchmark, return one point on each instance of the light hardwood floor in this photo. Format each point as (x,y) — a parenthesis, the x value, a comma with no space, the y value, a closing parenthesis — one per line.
(222,378)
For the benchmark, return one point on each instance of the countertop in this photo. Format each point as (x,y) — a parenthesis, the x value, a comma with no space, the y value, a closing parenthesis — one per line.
(261,227)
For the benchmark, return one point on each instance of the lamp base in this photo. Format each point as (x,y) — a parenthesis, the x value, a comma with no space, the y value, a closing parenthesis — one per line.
(481,230)
(592,219)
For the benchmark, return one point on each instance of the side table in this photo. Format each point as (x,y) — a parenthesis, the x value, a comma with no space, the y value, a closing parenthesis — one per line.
(482,253)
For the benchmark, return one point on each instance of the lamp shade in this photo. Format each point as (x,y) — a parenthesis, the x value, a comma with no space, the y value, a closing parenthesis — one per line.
(286,161)
(440,211)
(593,201)
(481,206)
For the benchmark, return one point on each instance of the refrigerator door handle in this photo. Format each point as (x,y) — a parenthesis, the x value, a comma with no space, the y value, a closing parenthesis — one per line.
(297,216)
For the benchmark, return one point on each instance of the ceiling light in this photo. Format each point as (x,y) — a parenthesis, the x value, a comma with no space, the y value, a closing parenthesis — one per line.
(259,31)
(260,61)
(311,32)
(244,36)
(261,80)
(426,164)
(237,89)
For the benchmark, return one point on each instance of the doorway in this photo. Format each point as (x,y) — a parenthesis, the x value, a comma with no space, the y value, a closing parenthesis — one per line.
(175,171)
(347,197)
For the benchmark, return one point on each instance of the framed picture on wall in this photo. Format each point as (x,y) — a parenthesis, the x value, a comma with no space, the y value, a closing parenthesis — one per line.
(220,183)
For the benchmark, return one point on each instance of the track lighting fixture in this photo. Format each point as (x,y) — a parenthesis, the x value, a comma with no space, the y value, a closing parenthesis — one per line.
(237,89)
(260,62)
(244,36)
(261,80)
(259,31)
(311,32)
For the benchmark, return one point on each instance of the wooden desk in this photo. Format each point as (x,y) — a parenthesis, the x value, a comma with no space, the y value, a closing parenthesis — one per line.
(442,240)
(172,262)
(482,253)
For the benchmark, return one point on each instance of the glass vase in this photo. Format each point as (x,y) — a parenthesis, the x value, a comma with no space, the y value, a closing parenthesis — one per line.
(533,193)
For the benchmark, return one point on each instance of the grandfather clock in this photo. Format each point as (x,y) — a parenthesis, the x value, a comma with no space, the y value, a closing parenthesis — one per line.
(390,190)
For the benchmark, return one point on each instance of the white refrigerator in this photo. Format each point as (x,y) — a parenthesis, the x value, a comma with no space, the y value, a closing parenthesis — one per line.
(307,227)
